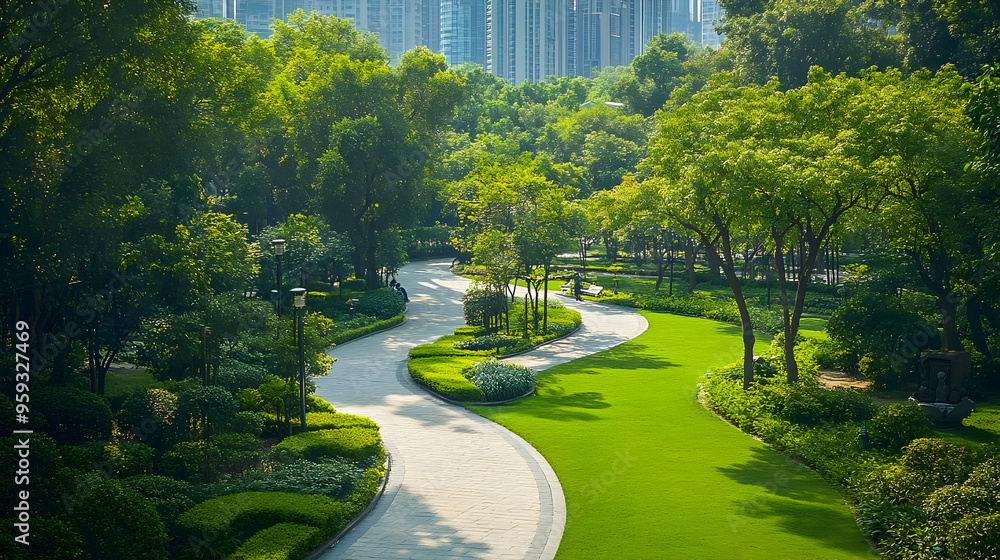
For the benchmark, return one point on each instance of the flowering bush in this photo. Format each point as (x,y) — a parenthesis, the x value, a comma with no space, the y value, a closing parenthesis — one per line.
(488,342)
(500,380)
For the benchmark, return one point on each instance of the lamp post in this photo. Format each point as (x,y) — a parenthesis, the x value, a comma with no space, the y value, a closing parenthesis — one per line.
(279,249)
(299,300)
(205,333)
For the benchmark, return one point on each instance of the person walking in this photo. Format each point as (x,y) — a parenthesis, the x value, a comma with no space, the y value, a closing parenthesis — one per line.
(577,286)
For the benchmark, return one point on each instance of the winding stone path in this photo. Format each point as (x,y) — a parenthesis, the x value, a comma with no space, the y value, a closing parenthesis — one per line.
(461,486)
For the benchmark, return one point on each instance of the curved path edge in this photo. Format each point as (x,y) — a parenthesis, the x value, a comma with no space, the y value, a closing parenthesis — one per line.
(461,486)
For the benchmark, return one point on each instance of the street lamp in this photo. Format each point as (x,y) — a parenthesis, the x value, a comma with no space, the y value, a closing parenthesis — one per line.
(205,333)
(279,249)
(299,301)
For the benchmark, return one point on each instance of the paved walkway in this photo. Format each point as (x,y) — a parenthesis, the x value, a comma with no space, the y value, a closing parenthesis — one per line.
(461,486)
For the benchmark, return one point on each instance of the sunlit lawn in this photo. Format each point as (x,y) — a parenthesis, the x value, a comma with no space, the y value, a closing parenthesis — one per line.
(648,473)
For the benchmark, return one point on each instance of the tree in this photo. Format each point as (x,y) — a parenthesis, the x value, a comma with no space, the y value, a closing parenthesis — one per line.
(654,74)
(783,38)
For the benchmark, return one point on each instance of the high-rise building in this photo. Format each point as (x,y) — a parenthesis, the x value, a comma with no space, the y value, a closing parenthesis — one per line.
(462,28)
(527,39)
(605,35)
(431,18)
(711,16)
(398,23)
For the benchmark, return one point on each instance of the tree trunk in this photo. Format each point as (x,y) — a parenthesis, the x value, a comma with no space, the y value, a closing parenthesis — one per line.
(729,268)
(974,312)
(545,304)
(689,264)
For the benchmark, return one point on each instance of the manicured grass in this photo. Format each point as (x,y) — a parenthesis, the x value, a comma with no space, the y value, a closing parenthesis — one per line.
(648,473)
(983,426)
(128,381)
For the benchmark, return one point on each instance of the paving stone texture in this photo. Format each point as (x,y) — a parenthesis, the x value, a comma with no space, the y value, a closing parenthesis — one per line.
(461,486)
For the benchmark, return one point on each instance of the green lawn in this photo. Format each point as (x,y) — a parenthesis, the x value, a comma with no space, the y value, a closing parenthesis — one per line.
(128,381)
(648,473)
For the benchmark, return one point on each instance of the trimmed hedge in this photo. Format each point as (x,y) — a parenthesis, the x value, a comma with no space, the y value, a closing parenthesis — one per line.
(327,421)
(354,443)
(444,375)
(71,415)
(254,511)
(284,541)
(500,380)
(350,334)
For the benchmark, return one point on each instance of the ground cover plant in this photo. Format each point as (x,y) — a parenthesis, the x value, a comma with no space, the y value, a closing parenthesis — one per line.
(645,468)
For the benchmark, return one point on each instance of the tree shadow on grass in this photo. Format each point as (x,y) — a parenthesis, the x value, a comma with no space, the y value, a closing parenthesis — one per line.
(792,497)
(629,356)
(555,403)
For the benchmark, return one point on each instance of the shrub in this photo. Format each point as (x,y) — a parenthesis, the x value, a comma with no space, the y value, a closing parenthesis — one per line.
(129,458)
(361,326)
(488,342)
(481,302)
(500,380)
(238,453)
(247,423)
(331,477)
(235,375)
(986,476)
(201,408)
(168,496)
(897,424)
(250,400)
(444,376)
(51,539)
(954,502)
(353,284)
(938,461)
(316,404)
(71,415)
(353,443)
(976,538)
(148,404)
(115,521)
(382,303)
(193,461)
(246,513)
(328,421)
(284,541)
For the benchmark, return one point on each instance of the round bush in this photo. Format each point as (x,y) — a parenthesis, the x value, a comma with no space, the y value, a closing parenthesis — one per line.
(72,416)
(500,380)
(382,303)
(948,504)
(247,423)
(986,476)
(200,405)
(117,522)
(480,302)
(897,424)
(146,413)
(938,461)
(976,538)
(235,375)
(129,458)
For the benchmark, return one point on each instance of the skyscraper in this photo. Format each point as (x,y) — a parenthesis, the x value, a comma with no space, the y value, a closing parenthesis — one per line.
(527,39)
(398,23)
(711,16)
(462,31)
(605,35)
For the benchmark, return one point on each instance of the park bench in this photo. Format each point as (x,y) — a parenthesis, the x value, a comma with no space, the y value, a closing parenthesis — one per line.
(567,287)
(593,290)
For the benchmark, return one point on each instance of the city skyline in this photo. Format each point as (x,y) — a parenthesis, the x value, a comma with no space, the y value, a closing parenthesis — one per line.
(516,40)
